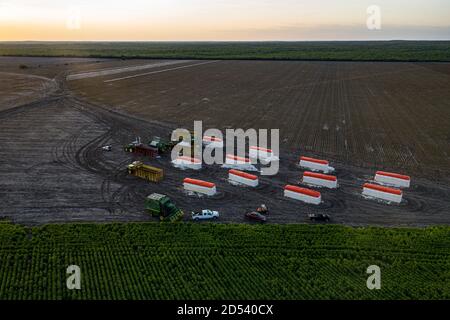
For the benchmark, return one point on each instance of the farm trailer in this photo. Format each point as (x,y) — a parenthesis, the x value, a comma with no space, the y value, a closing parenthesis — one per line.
(141,149)
(138,169)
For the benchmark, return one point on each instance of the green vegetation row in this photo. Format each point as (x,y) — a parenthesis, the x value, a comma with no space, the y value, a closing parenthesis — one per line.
(350,50)
(220,261)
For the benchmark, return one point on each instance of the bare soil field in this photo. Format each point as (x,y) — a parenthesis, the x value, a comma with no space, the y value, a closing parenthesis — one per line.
(363,116)
(22,88)
(384,115)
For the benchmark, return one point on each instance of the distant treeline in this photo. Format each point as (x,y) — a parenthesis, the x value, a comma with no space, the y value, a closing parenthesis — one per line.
(337,50)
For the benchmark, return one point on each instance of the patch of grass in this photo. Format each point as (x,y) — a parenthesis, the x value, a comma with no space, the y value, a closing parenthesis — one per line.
(339,50)
(220,261)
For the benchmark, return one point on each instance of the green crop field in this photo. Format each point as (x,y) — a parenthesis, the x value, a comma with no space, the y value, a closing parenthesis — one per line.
(341,50)
(220,261)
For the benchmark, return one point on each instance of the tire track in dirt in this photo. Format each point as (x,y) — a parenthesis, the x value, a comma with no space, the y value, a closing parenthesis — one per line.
(122,196)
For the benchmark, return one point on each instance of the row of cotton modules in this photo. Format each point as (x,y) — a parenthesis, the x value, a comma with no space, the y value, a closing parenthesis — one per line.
(238,177)
(236,166)
(317,177)
(387,187)
(235,177)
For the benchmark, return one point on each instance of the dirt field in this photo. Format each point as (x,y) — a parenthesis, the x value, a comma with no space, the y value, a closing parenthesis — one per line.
(390,115)
(363,116)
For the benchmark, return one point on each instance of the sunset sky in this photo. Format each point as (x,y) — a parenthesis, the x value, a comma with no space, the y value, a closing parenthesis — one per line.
(221,20)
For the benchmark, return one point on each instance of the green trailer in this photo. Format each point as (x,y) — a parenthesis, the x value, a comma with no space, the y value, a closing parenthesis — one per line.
(161,205)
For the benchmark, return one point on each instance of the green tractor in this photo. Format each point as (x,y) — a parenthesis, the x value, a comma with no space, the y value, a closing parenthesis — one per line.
(161,145)
(164,146)
(161,205)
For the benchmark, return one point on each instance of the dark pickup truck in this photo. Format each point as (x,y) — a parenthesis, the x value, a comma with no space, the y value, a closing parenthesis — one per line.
(319,217)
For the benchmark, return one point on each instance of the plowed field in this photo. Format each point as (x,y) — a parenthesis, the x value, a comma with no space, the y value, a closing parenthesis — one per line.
(361,116)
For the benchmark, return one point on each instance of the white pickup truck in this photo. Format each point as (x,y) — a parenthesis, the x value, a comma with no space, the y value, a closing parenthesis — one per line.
(205,215)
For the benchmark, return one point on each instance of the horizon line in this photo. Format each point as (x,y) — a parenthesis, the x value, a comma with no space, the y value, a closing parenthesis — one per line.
(272,40)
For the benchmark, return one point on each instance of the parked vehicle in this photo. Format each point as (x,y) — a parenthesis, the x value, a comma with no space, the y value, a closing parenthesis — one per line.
(263,209)
(161,146)
(255,216)
(161,205)
(319,217)
(141,149)
(205,215)
(138,169)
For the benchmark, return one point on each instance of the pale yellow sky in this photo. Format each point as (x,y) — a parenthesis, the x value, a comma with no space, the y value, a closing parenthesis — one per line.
(221,20)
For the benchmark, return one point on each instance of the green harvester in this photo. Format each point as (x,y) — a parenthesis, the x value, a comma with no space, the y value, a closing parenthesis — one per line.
(161,205)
